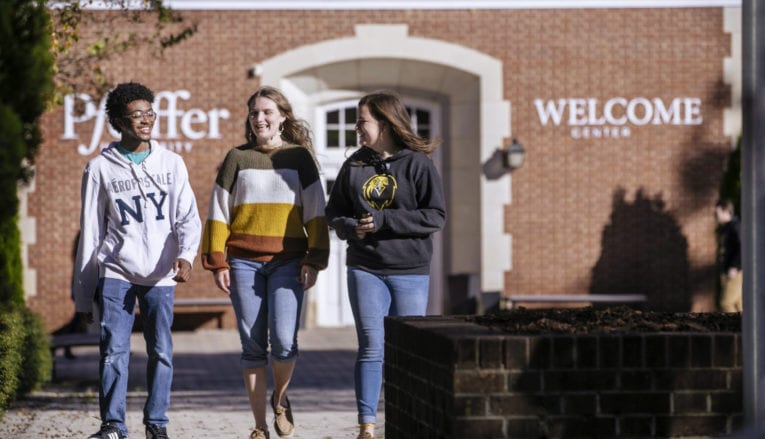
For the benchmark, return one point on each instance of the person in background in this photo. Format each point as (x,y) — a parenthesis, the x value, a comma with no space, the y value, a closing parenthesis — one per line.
(387,202)
(729,257)
(265,239)
(139,234)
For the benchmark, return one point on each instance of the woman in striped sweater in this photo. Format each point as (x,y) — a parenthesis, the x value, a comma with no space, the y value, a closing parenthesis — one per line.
(265,239)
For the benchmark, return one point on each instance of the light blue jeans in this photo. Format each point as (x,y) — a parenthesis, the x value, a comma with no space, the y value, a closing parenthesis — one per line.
(117,303)
(373,297)
(267,299)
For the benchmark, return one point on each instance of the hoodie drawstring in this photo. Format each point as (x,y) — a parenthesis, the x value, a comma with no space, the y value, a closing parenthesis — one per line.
(140,186)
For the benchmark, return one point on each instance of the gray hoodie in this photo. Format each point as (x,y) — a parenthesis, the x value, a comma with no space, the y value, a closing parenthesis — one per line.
(136,220)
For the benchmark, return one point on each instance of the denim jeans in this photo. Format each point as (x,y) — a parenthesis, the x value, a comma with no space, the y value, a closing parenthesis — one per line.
(373,297)
(267,299)
(117,300)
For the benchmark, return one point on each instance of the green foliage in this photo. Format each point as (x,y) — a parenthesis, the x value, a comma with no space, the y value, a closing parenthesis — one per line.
(11,267)
(36,363)
(11,338)
(25,361)
(12,151)
(172,40)
(80,65)
(730,186)
(26,82)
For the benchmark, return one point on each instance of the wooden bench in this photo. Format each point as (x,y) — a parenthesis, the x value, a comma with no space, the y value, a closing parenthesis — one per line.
(217,302)
(508,302)
(63,341)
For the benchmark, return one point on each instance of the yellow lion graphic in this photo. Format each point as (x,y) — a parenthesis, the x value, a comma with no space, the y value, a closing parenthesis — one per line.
(380,190)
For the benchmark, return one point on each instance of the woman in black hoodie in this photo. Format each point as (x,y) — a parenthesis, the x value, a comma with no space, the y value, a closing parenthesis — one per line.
(387,202)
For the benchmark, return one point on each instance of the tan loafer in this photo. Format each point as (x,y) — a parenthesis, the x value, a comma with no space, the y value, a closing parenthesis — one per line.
(259,433)
(283,422)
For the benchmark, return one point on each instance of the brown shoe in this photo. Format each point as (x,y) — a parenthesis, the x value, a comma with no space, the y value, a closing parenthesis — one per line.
(365,435)
(283,422)
(259,433)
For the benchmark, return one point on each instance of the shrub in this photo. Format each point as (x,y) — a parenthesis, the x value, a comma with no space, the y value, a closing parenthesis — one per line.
(11,339)
(25,361)
(36,358)
(11,266)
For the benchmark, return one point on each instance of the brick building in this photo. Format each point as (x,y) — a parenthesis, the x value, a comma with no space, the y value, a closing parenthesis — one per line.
(626,113)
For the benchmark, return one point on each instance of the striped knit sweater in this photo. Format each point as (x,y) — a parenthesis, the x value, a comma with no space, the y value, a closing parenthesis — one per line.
(266,206)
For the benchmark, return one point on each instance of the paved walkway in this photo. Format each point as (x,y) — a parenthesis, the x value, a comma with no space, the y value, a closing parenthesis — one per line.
(208,399)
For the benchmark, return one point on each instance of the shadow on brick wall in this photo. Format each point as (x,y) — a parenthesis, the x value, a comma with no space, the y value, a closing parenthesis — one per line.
(700,175)
(643,251)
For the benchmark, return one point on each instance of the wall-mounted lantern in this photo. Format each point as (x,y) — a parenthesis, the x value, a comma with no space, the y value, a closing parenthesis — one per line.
(254,71)
(514,156)
(504,160)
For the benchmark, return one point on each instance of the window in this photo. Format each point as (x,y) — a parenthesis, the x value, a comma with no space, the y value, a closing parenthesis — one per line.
(420,121)
(341,128)
(335,130)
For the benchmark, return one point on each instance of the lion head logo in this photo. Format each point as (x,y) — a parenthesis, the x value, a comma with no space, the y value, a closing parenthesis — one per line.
(380,190)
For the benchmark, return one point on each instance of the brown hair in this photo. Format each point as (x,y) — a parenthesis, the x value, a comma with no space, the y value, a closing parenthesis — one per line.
(386,107)
(293,130)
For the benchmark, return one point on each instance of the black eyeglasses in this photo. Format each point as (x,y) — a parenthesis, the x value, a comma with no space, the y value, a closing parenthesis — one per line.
(139,115)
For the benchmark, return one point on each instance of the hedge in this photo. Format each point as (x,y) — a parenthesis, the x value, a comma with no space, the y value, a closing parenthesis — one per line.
(11,339)
(25,360)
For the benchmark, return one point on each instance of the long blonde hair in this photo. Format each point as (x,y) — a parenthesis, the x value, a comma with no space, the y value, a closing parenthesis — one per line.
(293,130)
(386,107)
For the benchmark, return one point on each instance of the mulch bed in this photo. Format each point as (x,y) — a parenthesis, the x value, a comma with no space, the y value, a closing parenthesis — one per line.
(620,319)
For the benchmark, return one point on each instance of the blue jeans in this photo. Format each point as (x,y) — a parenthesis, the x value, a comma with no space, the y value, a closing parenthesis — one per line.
(267,298)
(373,297)
(117,305)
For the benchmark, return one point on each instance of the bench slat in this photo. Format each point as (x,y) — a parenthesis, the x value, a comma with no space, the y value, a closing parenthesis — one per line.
(182,302)
(510,301)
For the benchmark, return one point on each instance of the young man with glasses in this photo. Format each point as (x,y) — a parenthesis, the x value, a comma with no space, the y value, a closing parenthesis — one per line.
(140,230)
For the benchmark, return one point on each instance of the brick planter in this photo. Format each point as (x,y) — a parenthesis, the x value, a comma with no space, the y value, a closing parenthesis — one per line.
(448,378)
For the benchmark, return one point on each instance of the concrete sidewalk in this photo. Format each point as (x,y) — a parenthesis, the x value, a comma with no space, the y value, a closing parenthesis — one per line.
(208,399)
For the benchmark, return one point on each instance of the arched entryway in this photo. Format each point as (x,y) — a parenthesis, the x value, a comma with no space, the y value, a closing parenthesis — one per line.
(465,87)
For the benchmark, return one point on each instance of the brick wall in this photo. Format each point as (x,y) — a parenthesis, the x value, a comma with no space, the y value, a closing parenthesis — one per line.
(447,378)
(614,215)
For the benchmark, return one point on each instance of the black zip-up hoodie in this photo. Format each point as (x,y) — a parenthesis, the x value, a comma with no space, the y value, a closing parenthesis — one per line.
(403,193)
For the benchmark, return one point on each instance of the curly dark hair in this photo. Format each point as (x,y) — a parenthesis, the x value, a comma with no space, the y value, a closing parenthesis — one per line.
(121,96)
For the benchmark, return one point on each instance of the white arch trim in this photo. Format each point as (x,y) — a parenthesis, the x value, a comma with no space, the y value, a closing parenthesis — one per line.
(393,42)
(384,41)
